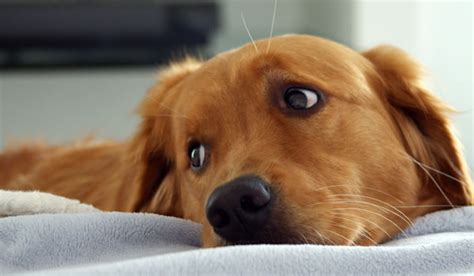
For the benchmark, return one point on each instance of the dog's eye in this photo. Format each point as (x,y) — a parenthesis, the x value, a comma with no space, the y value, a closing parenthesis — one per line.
(301,98)
(197,156)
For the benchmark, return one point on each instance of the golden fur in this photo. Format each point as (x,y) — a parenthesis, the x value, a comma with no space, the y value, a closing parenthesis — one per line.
(380,153)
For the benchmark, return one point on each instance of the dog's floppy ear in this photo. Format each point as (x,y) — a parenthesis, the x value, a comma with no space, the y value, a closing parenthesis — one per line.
(424,126)
(150,149)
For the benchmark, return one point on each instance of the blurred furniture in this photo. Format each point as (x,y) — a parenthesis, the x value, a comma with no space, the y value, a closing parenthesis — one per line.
(38,33)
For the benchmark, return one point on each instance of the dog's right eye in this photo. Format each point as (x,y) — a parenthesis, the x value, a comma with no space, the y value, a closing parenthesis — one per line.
(197,156)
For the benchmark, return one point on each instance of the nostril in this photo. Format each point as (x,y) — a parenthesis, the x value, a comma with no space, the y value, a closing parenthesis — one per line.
(255,202)
(251,204)
(246,203)
(219,219)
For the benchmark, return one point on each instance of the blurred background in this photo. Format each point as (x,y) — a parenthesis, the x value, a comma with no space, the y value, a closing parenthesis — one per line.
(69,68)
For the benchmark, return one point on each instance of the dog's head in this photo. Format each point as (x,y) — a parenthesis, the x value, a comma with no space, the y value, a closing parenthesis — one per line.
(310,142)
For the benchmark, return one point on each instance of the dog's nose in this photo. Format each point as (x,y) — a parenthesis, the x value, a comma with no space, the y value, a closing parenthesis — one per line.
(240,208)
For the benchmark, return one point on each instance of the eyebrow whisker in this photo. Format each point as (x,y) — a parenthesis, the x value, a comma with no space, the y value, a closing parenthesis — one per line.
(273,24)
(169,115)
(248,32)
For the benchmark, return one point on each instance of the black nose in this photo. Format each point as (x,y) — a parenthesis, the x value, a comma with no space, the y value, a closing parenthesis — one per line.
(240,208)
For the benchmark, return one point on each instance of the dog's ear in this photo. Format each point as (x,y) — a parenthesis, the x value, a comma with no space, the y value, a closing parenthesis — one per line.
(424,126)
(150,149)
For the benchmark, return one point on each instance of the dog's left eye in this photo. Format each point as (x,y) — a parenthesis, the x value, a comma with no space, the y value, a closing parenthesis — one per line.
(301,98)
(197,156)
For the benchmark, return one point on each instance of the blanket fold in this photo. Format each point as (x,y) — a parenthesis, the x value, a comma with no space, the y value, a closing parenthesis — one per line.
(121,243)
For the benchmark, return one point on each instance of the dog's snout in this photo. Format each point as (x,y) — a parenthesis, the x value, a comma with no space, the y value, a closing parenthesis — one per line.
(240,208)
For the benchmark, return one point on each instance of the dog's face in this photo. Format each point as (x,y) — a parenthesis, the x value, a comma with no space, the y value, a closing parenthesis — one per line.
(309,142)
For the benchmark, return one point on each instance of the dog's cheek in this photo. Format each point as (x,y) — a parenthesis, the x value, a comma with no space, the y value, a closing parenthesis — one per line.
(192,206)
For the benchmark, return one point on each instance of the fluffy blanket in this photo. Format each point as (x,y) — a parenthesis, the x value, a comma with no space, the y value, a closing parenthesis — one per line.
(14,203)
(120,243)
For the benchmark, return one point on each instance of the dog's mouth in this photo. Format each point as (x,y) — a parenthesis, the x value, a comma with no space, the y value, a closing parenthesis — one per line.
(248,210)
(273,231)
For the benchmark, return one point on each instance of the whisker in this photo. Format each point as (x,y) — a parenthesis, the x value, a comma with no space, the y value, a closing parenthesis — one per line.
(409,206)
(273,23)
(366,220)
(304,238)
(374,213)
(155,100)
(409,222)
(404,154)
(341,236)
(417,206)
(363,234)
(425,168)
(368,188)
(164,106)
(400,213)
(323,238)
(435,182)
(248,32)
(169,115)
(442,173)
(351,229)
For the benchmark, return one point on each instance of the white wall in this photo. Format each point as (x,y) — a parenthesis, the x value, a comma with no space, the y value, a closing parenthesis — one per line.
(446,35)
(439,34)
(258,16)
(63,105)
(328,18)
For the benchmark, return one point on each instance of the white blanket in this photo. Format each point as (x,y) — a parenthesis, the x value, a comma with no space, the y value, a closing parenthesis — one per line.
(121,243)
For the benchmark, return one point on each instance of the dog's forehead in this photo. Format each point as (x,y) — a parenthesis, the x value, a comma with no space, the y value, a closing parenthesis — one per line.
(296,46)
(301,59)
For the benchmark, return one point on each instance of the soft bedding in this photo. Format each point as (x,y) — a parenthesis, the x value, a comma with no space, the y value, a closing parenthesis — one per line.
(122,243)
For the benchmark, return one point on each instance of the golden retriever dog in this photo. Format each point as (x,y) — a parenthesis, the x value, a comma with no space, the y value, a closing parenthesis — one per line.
(306,141)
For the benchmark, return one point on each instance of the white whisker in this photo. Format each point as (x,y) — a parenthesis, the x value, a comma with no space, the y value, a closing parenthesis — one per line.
(400,213)
(366,220)
(273,24)
(306,241)
(434,181)
(248,32)
(169,115)
(164,106)
(351,229)
(341,236)
(425,168)
(374,213)
(158,102)
(368,188)
(442,173)
(417,206)
(406,220)
(363,234)
(323,238)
